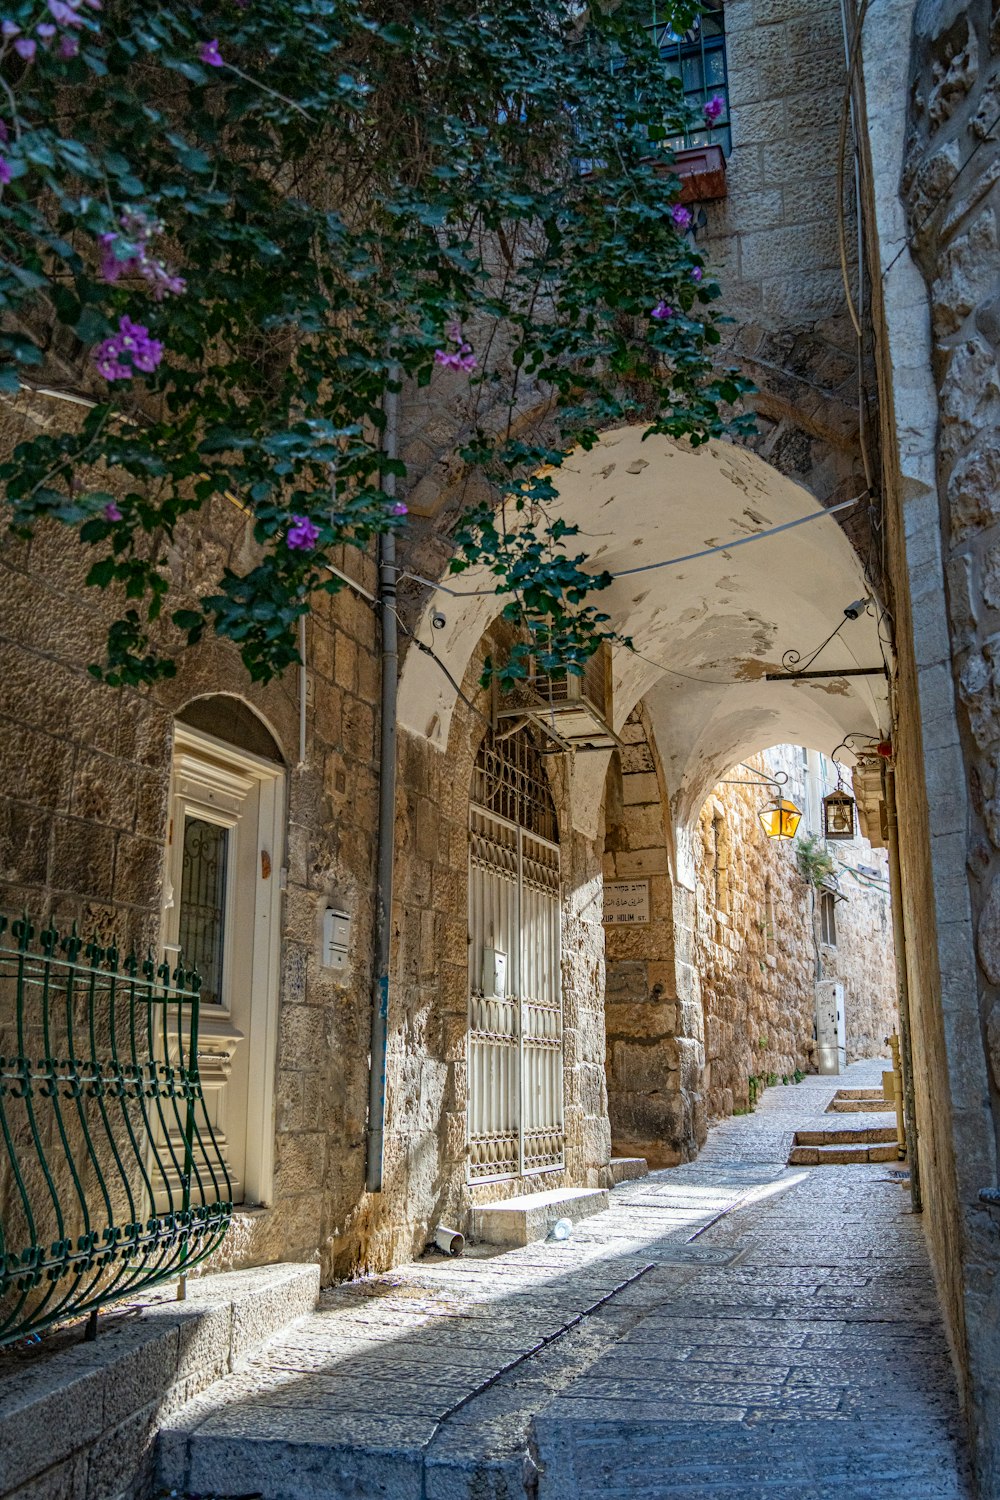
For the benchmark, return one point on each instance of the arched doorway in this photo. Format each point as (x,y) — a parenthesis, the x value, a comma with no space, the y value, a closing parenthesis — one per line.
(221,915)
(515,1108)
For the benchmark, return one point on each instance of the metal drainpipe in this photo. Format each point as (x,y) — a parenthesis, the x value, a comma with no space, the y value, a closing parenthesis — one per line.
(902,982)
(386,815)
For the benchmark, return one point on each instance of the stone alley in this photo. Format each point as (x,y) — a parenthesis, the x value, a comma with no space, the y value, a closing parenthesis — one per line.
(499,727)
(732,1328)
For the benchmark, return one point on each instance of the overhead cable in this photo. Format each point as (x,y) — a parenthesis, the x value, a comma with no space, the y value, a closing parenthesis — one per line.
(667,562)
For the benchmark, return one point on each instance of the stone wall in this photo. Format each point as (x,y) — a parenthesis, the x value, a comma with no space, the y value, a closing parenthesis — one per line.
(773,240)
(83,823)
(755,949)
(955,101)
(941,406)
(427,1089)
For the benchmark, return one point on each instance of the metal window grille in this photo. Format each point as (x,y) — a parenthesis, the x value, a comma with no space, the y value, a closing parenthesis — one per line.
(110,1177)
(698,59)
(515,1116)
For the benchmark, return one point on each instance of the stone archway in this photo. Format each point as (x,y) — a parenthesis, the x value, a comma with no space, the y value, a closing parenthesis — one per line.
(720,565)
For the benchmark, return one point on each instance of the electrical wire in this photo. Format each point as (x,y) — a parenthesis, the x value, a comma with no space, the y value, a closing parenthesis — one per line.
(428,651)
(667,562)
(986,136)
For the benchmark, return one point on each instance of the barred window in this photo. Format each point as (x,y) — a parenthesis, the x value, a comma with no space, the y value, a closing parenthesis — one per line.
(698,59)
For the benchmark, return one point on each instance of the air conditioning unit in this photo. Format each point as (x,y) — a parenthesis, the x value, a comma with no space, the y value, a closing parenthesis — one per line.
(572,710)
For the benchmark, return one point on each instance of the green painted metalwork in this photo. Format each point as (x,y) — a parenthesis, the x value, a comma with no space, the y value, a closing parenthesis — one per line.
(111,1178)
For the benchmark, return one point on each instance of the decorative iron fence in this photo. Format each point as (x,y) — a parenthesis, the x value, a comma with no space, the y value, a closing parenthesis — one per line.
(110,1175)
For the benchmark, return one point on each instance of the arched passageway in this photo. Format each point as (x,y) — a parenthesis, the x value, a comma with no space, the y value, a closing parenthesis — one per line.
(710,624)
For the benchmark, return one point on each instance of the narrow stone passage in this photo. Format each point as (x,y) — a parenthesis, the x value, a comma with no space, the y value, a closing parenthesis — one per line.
(728,1329)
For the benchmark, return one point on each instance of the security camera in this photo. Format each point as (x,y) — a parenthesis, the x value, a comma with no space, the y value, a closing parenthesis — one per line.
(855,610)
(438,620)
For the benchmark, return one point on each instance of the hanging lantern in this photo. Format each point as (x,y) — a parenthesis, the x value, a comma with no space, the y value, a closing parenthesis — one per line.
(780,818)
(838,815)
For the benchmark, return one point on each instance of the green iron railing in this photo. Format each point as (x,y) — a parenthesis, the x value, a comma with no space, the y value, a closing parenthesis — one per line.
(110,1175)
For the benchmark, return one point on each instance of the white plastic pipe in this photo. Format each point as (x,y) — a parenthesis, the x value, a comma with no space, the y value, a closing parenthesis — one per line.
(449,1240)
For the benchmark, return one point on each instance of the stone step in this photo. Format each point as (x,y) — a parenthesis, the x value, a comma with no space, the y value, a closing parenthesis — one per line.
(840,1156)
(519,1221)
(627,1168)
(860,1106)
(841,1148)
(876,1135)
(93,1409)
(859,1094)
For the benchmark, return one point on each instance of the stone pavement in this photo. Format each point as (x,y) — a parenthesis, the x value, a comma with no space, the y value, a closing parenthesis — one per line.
(729,1329)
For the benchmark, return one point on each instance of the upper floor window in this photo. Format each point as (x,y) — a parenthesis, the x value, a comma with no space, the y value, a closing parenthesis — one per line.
(698,59)
(828,918)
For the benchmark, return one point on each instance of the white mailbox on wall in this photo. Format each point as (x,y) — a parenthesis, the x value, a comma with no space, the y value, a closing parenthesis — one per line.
(336,938)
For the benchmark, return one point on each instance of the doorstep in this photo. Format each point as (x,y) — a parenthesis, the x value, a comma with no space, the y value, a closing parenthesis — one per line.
(627,1169)
(520,1221)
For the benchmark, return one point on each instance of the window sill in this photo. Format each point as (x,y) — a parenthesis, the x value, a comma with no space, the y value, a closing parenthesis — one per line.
(702,171)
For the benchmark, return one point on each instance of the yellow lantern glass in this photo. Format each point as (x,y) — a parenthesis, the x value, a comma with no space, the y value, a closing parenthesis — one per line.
(780,818)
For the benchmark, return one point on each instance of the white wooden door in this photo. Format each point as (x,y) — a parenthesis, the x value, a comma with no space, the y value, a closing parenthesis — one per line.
(221,915)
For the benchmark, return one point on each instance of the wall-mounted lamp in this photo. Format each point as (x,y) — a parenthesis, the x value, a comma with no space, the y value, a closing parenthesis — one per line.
(780,818)
(838,815)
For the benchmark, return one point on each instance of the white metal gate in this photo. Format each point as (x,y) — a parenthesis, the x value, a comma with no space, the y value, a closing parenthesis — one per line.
(515,1002)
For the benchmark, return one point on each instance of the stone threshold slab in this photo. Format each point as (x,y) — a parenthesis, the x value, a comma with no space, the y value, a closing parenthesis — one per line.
(627,1169)
(519,1221)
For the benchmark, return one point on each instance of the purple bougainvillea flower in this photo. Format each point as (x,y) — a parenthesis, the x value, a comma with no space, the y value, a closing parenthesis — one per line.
(9,28)
(399,508)
(459,358)
(65,14)
(714,108)
(5,173)
(128,350)
(680,215)
(302,535)
(661,311)
(111,512)
(25,47)
(130,252)
(696,273)
(68,46)
(210,54)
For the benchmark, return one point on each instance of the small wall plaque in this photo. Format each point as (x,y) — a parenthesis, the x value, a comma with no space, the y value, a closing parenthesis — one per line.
(626,902)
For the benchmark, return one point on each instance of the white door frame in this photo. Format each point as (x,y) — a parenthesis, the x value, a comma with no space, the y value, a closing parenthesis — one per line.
(217,776)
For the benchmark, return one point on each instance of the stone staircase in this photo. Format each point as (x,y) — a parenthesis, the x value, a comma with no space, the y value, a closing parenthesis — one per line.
(841,1148)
